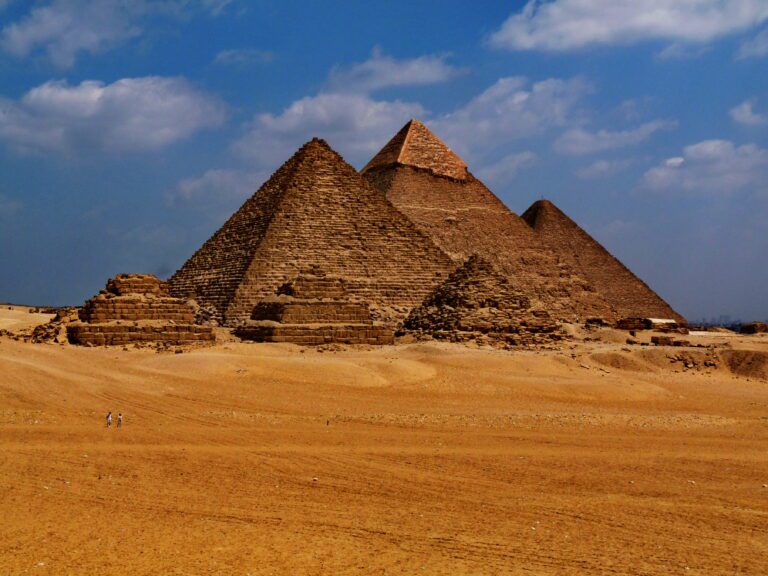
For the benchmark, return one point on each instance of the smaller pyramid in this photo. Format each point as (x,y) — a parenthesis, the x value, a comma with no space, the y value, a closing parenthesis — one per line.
(313,309)
(416,146)
(625,293)
(136,309)
(477,302)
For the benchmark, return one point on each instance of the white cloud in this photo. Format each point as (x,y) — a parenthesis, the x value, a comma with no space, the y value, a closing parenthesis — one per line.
(562,25)
(603,169)
(217,187)
(511,109)
(712,167)
(382,71)
(63,29)
(128,115)
(577,142)
(354,124)
(505,170)
(744,114)
(243,56)
(681,51)
(754,47)
(8,206)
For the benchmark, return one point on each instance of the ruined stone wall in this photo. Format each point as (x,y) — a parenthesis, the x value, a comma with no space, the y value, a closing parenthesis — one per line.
(463,218)
(123,334)
(136,307)
(624,291)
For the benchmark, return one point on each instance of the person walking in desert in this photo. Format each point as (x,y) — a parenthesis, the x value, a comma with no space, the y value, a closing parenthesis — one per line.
(109,419)
(120,420)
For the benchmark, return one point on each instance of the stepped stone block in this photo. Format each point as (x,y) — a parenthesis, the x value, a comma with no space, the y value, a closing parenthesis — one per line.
(142,300)
(311,310)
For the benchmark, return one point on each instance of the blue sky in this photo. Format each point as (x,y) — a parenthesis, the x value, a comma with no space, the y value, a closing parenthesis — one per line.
(130,130)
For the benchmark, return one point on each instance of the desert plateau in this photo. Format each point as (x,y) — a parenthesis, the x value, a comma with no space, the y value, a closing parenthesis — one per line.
(421,458)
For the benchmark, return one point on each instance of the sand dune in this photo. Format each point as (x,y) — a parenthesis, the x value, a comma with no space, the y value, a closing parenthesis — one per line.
(415,459)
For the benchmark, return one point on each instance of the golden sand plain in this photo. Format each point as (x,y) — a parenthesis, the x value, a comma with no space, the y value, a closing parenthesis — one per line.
(410,459)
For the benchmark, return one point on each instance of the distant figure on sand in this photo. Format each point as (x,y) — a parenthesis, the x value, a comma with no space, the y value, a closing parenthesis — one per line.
(120,420)
(109,419)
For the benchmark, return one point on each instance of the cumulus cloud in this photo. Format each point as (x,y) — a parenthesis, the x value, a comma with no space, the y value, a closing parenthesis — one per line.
(712,167)
(354,124)
(63,29)
(577,142)
(510,109)
(216,188)
(505,170)
(744,114)
(131,114)
(754,47)
(562,25)
(244,56)
(382,71)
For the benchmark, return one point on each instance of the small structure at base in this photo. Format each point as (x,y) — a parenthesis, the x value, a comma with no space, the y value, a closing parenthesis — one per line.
(478,303)
(313,309)
(134,309)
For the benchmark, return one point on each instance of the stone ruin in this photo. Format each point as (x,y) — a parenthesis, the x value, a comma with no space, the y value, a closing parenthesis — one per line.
(313,309)
(478,303)
(136,309)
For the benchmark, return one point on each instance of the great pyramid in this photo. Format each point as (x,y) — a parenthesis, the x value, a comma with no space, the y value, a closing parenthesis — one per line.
(316,210)
(476,302)
(431,185)
(624,291)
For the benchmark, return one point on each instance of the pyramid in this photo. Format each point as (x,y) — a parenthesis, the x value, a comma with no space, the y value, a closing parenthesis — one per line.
(624,291)
(313,309)
(416,146)
(476,301)
(136,309)
(428,183)
(315,210)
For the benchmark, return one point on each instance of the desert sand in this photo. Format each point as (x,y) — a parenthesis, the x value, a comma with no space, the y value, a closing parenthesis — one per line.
(421,458)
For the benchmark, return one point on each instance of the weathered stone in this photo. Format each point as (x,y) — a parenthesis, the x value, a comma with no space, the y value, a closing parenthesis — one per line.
(431,186)
(476,302)
(626,294)
(315,210)
(313,310)
(154,315)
